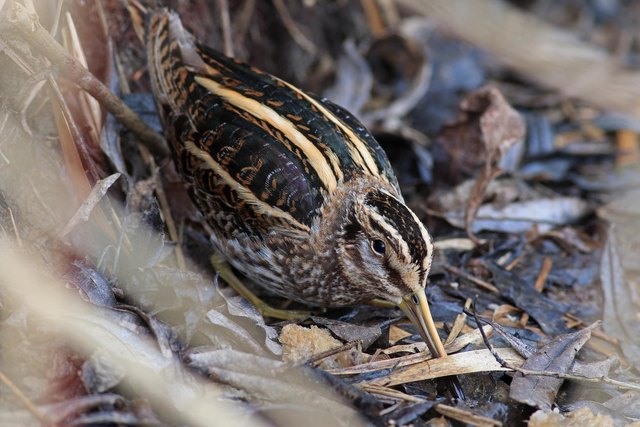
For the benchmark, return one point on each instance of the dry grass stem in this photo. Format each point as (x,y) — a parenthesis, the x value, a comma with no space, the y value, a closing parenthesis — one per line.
(225,24)
(374,18)
(42,42)
(31,407)
(291,26)
(481,283)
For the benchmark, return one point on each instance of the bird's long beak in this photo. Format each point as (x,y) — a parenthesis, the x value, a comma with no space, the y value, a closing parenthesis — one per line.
(416,308)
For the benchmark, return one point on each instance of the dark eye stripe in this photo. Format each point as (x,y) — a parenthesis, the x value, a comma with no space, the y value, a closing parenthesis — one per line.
(396,278)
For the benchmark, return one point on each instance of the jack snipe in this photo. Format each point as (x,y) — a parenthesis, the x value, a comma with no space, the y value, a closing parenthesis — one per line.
(300,197)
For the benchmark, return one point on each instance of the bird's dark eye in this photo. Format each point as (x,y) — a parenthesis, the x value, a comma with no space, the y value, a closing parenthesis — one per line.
(415,299)
(378,246)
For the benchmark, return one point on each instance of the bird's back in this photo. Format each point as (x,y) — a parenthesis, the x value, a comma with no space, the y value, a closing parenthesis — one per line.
(258,154)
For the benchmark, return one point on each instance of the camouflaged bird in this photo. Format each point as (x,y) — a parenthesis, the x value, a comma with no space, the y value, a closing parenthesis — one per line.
(300,197)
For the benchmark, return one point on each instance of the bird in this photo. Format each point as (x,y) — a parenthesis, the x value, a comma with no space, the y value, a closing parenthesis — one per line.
(296,193)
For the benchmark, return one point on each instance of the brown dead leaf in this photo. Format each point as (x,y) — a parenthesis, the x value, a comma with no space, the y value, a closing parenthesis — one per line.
(556,356)
(300,344)
(396,334)
(486,128)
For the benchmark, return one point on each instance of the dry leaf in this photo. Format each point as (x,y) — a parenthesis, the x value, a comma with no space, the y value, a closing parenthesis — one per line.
(520,217)
(487,127)
(556,356)
(350,332)
(300,343)
(620,314)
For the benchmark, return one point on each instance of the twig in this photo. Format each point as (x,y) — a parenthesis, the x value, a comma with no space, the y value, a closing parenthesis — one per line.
(374,18)
(515,261)
(15,228)
(292,27)
(390,392)
(483,284)
(389,10)
(320,356)
(544,273)
(499,359)
(598,380)
(24,399)
(225,23)
(42,42)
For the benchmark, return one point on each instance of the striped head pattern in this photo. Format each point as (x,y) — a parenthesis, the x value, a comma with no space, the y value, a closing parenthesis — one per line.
(383,244)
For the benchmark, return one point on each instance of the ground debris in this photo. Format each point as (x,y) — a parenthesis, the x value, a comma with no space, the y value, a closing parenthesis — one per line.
(555,356)
(528,189)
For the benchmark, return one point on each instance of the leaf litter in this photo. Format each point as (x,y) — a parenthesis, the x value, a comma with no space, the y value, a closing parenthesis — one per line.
(536,202)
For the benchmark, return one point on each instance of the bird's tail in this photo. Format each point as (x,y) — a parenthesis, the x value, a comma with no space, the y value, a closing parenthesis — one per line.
(171,55)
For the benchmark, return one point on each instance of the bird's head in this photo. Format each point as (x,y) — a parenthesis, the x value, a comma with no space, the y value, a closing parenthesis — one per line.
(382,245)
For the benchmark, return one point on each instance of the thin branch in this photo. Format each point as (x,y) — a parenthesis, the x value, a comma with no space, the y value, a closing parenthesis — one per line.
(321,356)
(24,399)
(225,23)
(481,283)
(544,273)
(42,42)
(374,17)
(292,27)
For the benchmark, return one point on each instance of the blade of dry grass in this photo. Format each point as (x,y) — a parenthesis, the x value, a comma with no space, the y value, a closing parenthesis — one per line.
(170,387)
(27,27)
(457,364)
(412,359)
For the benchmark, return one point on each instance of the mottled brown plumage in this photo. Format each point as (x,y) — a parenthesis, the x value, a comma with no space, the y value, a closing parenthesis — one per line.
(300,197)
